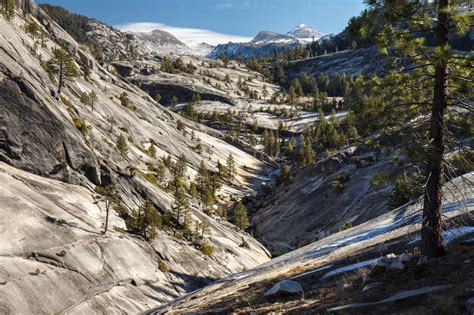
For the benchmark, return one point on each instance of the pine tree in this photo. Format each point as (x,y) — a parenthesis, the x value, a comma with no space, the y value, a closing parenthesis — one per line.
(93,99)
(225,59)
(167,65)
(196,98)
(402,30)
(241,219)
(111,120)
(215,183)
(280,76)
(8,9)
(208,201)
(230,166)
(298,87)
(86,69)
(109,196)
(202,179)
(33,29)
(121,145)
(181,204)
(289,145)
(145,221)
(253,64)
(190,68)
(193,191)
(181,166)
(61,65)
(98,54)
(292,95)
(284,175)
(205,228)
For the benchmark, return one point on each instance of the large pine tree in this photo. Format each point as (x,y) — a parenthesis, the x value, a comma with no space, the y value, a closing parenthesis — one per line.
(61,65)
(241,219)
(416,34)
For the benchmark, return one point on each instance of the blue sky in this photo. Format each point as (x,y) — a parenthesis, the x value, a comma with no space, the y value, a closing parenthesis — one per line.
(218,18)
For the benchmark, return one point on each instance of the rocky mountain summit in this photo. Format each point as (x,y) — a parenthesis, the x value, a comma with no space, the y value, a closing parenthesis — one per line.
(159,41)
(305,32)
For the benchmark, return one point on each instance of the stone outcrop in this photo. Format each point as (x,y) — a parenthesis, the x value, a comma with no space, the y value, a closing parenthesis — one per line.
(34,138)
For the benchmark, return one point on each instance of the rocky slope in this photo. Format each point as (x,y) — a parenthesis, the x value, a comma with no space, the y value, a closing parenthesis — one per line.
(329,275)
(56,245)
(310,208)
(222,88)
(348,62)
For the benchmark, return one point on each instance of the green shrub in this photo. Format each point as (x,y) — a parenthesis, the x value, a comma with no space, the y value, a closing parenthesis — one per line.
(347,226)
(462,162)
(338,185)
(151,178)
(81,125)
(118,229)
(62,253)
(407,187)
(162,266)
(379,179)
(67,103)
(207,249)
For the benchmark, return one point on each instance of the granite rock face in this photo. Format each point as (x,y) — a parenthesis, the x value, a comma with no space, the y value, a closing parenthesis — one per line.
(54,151)
(33,138)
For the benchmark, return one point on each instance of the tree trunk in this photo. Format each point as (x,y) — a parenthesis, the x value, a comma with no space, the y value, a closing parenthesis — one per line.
(107,210)
(431,238)
(60,85)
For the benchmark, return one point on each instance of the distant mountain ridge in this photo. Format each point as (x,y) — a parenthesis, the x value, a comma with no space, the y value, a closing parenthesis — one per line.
(266,43)
(164,42)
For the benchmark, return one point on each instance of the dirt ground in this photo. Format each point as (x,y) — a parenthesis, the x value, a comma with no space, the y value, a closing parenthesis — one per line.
(456,268)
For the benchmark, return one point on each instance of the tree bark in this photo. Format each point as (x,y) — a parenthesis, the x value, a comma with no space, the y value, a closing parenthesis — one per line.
(60,85)
(107,210)
(431,237)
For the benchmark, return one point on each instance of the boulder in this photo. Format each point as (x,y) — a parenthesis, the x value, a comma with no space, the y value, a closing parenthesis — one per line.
(285,288)
(405,257)
(470,306)
(372,285)
(396,265)
(365,279)
(391,261)
(387,260)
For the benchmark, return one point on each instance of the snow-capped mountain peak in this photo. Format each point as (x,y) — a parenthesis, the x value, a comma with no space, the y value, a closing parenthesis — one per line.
(305,32)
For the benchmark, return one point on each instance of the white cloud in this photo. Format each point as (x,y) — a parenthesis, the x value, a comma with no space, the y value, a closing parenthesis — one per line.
(186,35)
